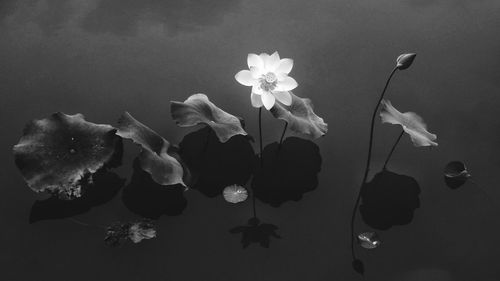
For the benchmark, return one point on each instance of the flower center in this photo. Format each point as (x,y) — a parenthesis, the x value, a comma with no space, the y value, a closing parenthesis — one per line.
(270,77)
(268,82)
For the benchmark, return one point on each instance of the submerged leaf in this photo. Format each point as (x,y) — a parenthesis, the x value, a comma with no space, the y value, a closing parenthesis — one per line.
(56,153)
(199,109)
(412,124)
(235,193)
(157,156)
(300,117)
(369,240)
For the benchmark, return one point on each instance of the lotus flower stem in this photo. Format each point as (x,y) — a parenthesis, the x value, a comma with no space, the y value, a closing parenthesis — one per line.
(260,138)
(368,160)
(283,134)
(392,150)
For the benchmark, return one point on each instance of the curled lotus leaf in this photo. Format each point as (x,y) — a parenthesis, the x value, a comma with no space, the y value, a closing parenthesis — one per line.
(157,156)
(412,124)
(301,117)
(199,109)
(58,153)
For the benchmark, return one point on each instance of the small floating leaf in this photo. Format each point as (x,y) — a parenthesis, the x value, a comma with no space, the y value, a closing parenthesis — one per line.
(199,109)
(456,174)
(118,233)
(57,153)
(235,193)
(456,169)
(301,117)
(412,124)
(405,60)
(141,230)
(369,240)
(157,156)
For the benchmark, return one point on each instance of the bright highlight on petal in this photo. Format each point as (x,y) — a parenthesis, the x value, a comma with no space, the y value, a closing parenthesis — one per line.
(268,77)
(412,124)
(245,77)
(235,194)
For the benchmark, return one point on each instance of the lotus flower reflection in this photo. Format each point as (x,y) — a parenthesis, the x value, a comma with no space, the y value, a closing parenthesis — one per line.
(268,77)
(412,124)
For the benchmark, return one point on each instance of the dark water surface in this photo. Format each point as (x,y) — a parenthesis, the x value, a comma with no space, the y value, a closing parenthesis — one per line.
(101,58)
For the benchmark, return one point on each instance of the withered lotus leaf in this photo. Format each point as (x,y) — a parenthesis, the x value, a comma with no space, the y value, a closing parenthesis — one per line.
(199,109)
(156,157)
(301,117)
(56,153)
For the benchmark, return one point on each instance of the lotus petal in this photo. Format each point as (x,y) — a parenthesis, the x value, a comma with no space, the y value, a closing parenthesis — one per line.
(412,124)
(300,117)
(235,193)
(157,157)
(199,109)
(369,240)
(56,153)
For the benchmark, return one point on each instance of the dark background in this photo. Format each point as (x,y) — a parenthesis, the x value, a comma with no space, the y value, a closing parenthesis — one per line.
(101,58)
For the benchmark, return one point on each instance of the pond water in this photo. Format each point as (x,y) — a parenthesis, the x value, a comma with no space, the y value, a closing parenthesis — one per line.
(101,58)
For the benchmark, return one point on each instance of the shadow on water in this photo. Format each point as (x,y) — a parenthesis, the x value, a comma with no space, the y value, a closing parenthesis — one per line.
(389,199)
(287,173)
(105,186)
(455,183)
(215,165)
(144,197)
(256,232)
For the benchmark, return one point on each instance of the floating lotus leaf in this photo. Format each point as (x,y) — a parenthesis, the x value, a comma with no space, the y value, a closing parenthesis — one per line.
(118,233)
(456,169)
(412,124)
(300,117)
(199,109)
(157,157)
(456,174)
(235,193)
(369,240)
(56,153)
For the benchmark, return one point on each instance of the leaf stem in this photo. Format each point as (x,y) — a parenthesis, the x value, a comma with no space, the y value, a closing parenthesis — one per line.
(283,135)
(260,137)
(368,159)
(392,149)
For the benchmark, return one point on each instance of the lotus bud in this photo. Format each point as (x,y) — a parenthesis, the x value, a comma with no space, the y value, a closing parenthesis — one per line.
(405,60)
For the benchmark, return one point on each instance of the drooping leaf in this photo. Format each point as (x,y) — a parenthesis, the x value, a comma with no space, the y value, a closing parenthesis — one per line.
(369,240)
(301,117)
(157,157)
(235,193)
(56,153)
(199,109)
(412,124)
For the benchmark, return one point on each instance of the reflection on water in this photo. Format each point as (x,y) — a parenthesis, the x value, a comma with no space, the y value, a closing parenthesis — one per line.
(389,199)
(289,171)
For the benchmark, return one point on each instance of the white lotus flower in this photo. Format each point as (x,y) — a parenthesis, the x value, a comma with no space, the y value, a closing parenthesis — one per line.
(268,77)
(412,124)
